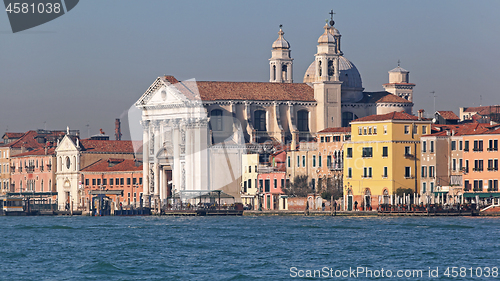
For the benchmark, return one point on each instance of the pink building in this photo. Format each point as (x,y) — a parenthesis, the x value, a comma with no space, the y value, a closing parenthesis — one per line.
(481,156)
(271,195)
(33,171)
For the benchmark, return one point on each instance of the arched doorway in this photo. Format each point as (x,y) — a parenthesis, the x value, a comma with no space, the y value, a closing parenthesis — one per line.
(368,199)
(349,199)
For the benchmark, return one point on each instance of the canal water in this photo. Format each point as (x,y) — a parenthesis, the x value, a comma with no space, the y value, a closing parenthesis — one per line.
(248,248)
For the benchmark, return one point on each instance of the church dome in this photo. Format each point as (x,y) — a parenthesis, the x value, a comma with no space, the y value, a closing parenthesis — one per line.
(327,37)
(349,74)
(281,42)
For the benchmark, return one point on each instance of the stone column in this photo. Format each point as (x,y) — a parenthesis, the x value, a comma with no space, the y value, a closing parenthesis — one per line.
(145,164)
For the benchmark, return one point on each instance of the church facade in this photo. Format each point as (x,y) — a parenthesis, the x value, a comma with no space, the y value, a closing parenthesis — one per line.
(198,129)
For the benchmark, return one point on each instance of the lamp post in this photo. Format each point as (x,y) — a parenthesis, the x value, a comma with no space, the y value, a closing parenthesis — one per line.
(346,195)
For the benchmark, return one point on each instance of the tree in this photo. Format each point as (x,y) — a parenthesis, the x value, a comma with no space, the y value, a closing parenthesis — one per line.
(299,187)
(333,187)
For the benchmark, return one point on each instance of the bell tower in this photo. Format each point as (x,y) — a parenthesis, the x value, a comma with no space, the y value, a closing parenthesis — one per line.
(281,62)
(327,85)
(399,83)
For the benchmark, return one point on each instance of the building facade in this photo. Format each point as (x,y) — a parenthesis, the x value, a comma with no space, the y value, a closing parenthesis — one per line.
(381,157)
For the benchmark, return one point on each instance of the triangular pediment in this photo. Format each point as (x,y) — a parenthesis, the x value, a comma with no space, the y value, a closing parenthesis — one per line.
(163,92)
(66,144)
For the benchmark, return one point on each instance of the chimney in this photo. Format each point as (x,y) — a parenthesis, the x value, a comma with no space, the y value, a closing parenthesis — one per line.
(420,114)
(118,131)
(46,149)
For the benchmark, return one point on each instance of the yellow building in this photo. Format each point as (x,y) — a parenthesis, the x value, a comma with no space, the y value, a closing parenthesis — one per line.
(249,186)
(380,158)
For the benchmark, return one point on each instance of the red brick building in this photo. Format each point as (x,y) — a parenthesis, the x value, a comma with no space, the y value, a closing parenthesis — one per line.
(114,174)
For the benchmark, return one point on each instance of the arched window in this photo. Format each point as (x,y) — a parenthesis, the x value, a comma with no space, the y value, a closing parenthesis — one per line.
(303,120)
(274,72)
(284,69)
(260,120)
(68,162)
(348,117)
(216,120)
(320,71)
(331,68)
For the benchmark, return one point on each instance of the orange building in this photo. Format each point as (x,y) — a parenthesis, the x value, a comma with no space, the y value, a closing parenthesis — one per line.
(114,174)
(32,171)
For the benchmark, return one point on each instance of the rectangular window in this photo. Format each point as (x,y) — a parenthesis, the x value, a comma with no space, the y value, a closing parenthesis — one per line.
(454,164)
(93,181)
(424,146)
(407,129)
(374,130)
(424,130)
(431,171)
(490,185)
(385,151)
(385,129)
(128,181)
(111,181)
(369,172)
(423,187)
(364,130)
(432,187)
(490,164)
(104,181)
(349,173)
(349,152)
(282,183)
(275,183)
(407,151)
(466,185)
(319,161)
(423,173)
(369,130)
(314,161)
(249,183)
(298,161)
(432,147)
(322,139)
(267,186)
(128,195)
(407,172)
(385,172)
(495,185)
(453,145)
(466,145)
(460,145)
(86,181)
(360,131)
(327,139)
(365,172)
(460,163)
(480,147)
(367,152)
(495,145)
(288,161)
(140,180)
(121,181)
(466,166)
(250,168)
(98,181)
(329,161)
(134,180)
(313,184)
(490,145)
(261,185)
(245,187)
(303,161)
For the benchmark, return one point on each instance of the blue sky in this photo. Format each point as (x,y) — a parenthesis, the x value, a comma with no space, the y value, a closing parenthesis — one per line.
(90,65)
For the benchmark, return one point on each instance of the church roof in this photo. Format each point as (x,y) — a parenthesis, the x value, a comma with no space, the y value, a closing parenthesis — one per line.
(281,42)
(349,74)
(382,97)
(36,152)
(388,116)
(265,91)
(399,69)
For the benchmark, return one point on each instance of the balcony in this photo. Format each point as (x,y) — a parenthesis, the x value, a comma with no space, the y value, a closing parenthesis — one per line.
(409,155)
(466,149)
(335,167)
(30,169)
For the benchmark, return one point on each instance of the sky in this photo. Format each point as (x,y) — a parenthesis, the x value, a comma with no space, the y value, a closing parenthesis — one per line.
(92,64)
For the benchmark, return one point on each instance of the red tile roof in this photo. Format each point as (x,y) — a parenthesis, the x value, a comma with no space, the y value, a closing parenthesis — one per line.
(102,165)
(448,115)
(11,135)
(388,116)
(336,130)
(107,146)
(460,129)
(27,140)
(483,110)
(36,152)
(381,97)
